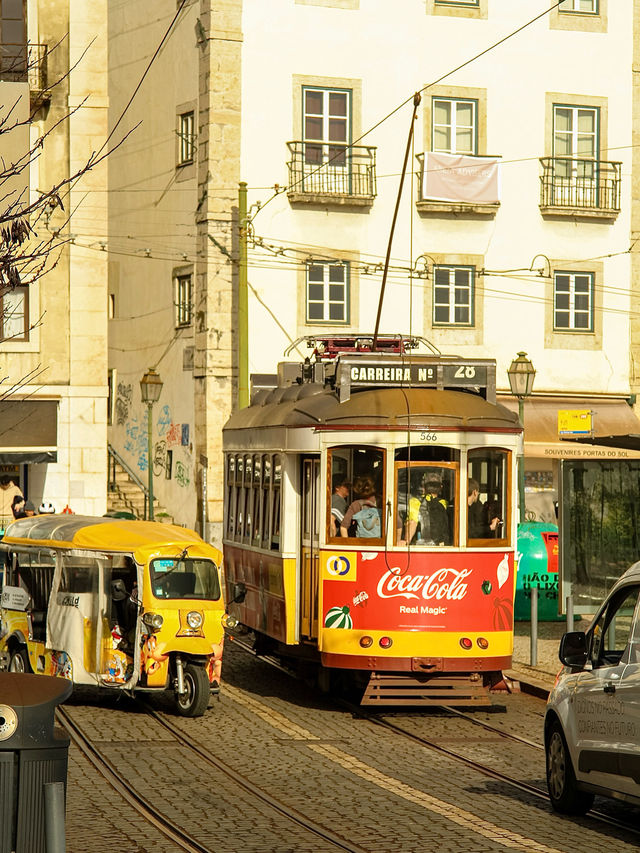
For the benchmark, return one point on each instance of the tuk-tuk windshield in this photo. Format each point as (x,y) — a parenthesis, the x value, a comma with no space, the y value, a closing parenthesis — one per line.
(185,578)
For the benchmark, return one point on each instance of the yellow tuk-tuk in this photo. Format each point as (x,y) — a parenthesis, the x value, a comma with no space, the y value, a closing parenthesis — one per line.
(128,605)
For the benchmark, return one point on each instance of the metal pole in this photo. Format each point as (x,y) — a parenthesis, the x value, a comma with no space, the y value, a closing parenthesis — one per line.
(54,817)
(534,626)
(521,464)
(569,613)
(243,301)
(150,453)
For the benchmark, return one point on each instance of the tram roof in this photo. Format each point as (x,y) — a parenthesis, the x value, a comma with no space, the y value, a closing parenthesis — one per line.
(315,405)
(102,534)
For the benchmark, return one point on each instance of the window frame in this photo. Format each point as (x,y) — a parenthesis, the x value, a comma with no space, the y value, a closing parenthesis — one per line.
(24,337)
(186,138)
(471,3)
(326,302)
(184,312)
(343,450)
(452,292)
(325,142)
(563,10)
(474,455)
(571,310)
(435,464)
(454,101)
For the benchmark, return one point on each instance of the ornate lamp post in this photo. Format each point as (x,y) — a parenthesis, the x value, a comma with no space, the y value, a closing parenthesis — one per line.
(521,375)
(150,389)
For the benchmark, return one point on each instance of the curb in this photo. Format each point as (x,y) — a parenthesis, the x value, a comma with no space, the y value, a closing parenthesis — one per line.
(533,683)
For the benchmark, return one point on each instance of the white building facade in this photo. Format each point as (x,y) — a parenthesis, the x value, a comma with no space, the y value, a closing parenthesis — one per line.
(515,232)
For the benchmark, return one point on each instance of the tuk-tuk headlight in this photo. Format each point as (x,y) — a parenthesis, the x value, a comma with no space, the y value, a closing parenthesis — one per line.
(229,621)
(153,621)
(194,619)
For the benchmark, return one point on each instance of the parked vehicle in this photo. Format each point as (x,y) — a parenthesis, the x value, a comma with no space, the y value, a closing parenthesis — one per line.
(126,605)
(592,722)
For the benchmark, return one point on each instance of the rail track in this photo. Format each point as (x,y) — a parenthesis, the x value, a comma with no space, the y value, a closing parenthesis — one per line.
(155,817)
(382,719)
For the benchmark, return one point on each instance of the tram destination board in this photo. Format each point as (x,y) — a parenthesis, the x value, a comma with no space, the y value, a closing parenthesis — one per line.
(478,374)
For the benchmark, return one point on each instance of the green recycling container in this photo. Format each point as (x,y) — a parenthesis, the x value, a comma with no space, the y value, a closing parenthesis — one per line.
(537,566)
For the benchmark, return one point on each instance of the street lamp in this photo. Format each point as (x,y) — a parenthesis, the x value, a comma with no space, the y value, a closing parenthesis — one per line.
(521,375)
(150,389)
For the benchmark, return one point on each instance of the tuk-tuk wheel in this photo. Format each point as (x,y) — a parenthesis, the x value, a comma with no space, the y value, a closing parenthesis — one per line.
(193,702)
(19,660)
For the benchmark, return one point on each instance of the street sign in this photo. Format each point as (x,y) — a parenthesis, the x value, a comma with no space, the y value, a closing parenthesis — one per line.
(575,422)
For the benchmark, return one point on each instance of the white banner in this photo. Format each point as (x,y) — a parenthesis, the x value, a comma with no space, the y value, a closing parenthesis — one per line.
(461,177)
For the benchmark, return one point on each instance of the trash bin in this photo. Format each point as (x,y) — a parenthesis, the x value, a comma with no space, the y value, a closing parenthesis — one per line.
(33,755)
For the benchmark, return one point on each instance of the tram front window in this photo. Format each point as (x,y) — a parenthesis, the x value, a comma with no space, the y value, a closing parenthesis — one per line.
(185,578)
(356,505)
(487,490)
(425,509)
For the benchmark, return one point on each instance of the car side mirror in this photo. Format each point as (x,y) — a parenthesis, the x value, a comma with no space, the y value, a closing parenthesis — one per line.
(239,593)
(573,649)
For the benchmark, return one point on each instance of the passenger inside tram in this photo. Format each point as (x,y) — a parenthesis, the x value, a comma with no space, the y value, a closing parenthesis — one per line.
(427,521)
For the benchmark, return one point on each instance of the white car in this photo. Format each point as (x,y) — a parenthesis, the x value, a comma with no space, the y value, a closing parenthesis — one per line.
(592,721)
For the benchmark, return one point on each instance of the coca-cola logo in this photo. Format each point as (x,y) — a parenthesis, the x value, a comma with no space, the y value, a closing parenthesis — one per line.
(444,583)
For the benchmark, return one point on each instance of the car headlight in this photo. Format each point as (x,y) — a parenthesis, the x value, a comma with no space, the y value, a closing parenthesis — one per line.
(194,619)
(153,621)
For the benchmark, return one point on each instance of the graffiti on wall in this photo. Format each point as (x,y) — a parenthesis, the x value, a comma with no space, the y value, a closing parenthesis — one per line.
(170,439)
(124,396)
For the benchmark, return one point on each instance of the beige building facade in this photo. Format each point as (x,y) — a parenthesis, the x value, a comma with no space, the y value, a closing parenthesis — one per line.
(516,230)
(53,347)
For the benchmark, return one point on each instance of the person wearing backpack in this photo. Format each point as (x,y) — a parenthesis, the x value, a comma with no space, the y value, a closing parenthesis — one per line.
(364,512)
(427,520)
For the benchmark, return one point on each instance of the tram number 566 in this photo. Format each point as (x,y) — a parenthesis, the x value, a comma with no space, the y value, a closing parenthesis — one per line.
(428,436)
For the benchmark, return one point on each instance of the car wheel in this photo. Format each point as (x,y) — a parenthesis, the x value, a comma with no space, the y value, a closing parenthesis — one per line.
(564,794)
(19,661)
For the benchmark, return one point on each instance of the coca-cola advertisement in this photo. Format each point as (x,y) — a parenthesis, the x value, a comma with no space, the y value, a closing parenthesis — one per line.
(471,591)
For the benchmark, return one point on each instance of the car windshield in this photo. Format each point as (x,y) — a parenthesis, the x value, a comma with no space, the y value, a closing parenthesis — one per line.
(185,578)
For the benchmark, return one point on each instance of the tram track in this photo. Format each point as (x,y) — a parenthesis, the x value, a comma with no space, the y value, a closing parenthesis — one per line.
(175,833)
(377,719)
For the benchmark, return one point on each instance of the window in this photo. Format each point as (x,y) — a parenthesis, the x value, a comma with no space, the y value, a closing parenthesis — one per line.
(453,295)
(326,125)
(573,301)
(13,62)
(14,314)
(356,505)
(327,292)
(454,126)
(457,2)
(487,497)
(613,630)
(575,141)
(253,500)
(184,307)
(426,489)
(187,138)
(583,6)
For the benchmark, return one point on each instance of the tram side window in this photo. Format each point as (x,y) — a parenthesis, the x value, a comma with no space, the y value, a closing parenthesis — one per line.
(356,505)
(426,489)
(231,495)
(276,493)
(266,490)
(249,495)
(487,496)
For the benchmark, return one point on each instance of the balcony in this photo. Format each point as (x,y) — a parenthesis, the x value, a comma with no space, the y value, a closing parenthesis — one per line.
(25,63)
(330,174)
(587,189)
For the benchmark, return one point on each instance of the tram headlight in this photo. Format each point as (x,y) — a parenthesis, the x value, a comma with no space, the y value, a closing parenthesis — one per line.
(385,642)
(153,621)
(194,619)
(482,643)
(229,621)
(466,643)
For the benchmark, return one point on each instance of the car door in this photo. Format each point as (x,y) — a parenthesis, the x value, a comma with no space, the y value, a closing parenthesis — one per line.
(604,706)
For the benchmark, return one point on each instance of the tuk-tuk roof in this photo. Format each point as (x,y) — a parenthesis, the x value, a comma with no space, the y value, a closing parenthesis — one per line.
(139,538)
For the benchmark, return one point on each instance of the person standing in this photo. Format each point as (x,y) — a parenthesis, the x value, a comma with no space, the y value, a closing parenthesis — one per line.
(8,491)
(341,489)
(479,526)
(427,518)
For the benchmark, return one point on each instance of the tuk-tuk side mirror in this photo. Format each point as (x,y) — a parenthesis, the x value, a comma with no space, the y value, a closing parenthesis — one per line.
(573,649)
(239,593)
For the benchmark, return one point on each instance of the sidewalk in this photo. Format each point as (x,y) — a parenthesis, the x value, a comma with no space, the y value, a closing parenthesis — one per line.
(538,679)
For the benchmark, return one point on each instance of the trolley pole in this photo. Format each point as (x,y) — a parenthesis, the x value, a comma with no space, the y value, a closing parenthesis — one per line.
(243,301)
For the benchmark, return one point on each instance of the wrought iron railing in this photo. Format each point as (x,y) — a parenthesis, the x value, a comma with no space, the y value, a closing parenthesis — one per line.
(24,63)
(114,457)
(580,183)
(332,169)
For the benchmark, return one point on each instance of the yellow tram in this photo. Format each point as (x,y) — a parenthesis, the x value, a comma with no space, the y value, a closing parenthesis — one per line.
(370,519)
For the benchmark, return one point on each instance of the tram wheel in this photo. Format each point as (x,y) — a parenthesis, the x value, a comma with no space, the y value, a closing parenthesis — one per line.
(564,794)
(19,661)
(193,702)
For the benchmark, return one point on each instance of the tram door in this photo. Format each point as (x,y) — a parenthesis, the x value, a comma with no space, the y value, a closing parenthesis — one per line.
(309,544)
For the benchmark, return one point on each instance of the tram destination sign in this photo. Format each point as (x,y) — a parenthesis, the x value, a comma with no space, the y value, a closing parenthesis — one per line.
(366,372)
